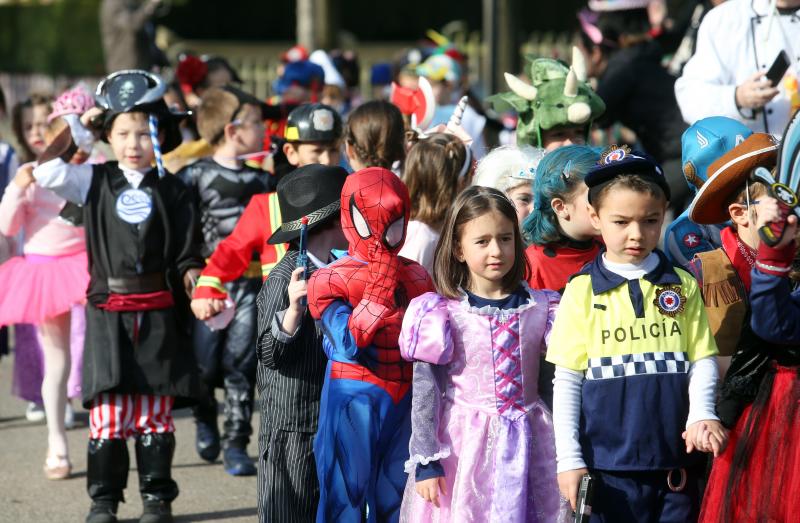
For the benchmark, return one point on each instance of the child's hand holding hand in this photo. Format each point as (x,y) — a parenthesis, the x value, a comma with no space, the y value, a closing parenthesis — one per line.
(768,212)
(429,489)
(706,436)
(568,484)
(204,308)
(24,176)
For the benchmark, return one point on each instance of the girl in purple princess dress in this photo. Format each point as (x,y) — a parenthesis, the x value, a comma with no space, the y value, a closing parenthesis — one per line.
(482,447)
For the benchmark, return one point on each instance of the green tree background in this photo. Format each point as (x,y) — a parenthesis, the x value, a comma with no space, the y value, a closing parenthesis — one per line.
(63,36)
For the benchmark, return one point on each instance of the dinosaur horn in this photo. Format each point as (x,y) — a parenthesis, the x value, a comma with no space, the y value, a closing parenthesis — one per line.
(520,88)
(571,85)
(579,64)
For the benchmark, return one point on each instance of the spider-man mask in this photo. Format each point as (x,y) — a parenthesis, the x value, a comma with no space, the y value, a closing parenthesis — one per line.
(375,207)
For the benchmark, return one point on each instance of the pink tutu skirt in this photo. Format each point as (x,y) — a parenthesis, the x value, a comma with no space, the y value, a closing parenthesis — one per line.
(36,287)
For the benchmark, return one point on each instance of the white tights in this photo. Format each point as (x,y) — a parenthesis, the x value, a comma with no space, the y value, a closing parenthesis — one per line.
(54,334)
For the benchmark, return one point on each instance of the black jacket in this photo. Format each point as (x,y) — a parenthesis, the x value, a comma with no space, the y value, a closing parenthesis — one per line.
(639,93)
(130,352)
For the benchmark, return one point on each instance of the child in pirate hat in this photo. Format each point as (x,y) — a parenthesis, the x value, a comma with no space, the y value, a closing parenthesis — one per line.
(635,360)
(140,241)
(291,362)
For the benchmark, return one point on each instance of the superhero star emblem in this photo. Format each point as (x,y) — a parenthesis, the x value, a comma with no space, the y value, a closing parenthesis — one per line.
(134,206)
(670,301)
(614,153)
(691,240)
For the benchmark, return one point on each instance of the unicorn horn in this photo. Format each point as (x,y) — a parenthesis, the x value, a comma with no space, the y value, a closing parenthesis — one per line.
(458,113)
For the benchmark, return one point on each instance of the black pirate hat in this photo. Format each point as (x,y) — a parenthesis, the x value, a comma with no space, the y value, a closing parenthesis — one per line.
(313,191)
(133,90)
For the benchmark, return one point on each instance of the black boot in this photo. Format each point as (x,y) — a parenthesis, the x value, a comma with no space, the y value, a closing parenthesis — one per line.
(207,435)
(238,413)
(106,478)
(154,460)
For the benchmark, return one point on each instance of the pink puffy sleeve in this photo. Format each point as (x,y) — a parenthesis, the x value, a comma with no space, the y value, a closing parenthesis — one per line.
(426,335)
(553,299)
(13,207)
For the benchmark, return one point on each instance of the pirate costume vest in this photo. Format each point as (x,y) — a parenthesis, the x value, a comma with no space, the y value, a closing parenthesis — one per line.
(139,242)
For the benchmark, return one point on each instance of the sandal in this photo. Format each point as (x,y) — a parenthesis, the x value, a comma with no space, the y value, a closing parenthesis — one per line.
(57,467)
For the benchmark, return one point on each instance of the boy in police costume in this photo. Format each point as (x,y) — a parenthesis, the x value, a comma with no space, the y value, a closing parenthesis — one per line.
(138,363)
(635,359)
(232,121)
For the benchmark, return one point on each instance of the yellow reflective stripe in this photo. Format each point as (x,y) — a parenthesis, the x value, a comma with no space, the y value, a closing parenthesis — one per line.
(274,212)
(275,222)
(266,268)
(211,281)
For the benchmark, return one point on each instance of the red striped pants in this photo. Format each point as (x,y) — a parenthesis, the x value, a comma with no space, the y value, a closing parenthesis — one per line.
(120,416)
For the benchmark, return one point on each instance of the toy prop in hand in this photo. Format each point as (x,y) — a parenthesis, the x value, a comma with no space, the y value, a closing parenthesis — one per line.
(785,186)
(302,258)
(583,506)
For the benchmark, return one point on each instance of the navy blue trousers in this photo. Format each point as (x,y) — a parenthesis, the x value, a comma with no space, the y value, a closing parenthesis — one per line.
(645,497)
(228,357)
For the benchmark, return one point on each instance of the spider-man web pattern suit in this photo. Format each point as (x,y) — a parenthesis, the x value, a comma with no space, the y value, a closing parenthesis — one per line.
(359,300)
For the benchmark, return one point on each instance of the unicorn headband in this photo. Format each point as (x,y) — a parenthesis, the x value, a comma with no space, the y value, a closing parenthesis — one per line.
(454,128)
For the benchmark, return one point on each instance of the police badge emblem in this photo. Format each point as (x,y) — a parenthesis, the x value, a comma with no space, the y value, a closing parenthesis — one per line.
(670,300)
(615,153)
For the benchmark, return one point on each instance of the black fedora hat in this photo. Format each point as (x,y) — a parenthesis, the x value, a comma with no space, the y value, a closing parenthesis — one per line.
(314,191)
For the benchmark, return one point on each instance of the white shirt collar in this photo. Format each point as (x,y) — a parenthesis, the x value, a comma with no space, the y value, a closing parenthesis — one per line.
(134,176)
(316,260)
(633,271)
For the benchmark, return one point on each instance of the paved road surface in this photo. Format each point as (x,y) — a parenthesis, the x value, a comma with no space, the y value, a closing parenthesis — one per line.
(207,492)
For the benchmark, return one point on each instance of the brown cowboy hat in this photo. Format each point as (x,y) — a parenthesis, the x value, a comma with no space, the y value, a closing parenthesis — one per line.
(727,175)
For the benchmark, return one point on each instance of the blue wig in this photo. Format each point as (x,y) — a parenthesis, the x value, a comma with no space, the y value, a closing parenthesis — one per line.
(558,175)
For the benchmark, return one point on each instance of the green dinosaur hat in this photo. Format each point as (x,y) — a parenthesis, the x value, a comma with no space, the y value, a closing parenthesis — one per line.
(559,96)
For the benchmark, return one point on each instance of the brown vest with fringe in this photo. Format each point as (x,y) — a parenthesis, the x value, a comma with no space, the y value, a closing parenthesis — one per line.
(725,298)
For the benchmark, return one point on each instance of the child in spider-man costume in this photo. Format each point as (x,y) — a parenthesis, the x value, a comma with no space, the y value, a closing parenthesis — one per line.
(359,300)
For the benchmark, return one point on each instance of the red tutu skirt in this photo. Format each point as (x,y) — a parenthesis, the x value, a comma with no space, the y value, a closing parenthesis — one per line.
(35,288)
(757,478)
